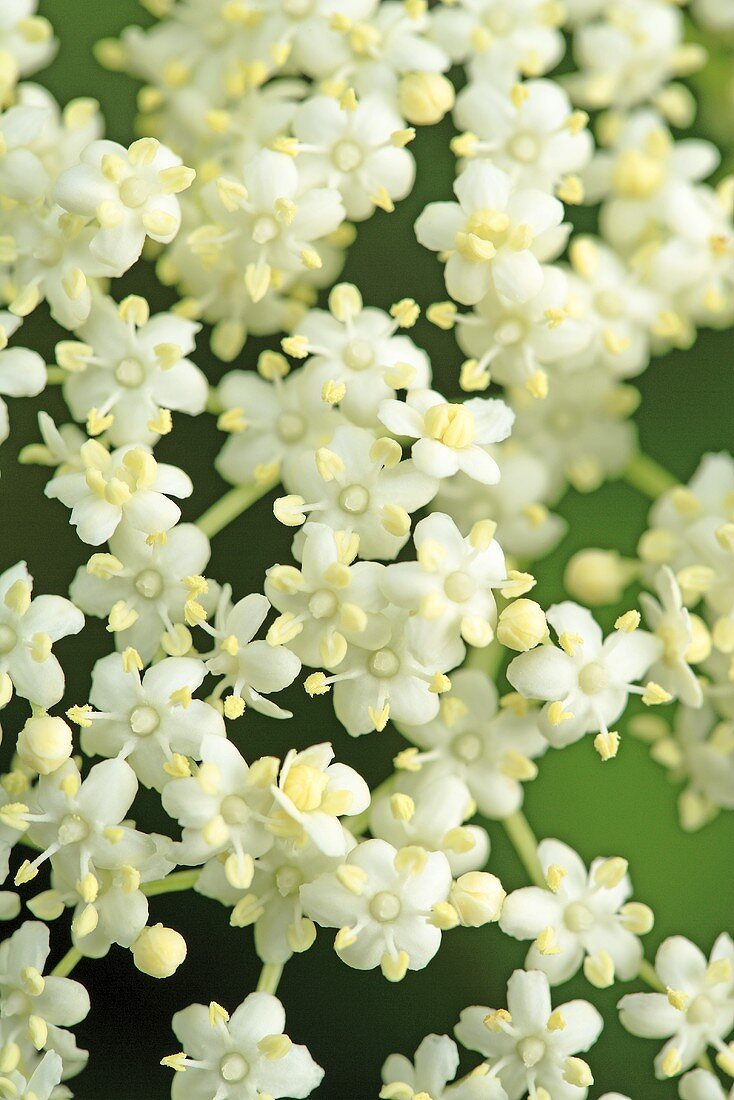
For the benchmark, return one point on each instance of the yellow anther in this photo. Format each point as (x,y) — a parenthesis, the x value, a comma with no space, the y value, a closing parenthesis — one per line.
(546,942)
(628,622)
(607,744)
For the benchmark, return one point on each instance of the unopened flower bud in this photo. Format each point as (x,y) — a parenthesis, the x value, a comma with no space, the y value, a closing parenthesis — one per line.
(522,625)
(159,951)
(45,743)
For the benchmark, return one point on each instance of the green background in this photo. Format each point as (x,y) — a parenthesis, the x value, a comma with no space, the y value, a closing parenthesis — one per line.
(351,1020)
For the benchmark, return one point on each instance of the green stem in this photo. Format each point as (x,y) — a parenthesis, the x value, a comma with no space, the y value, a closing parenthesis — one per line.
(648,477)
(230,506)
(524,842)
(270,976)
(213,404)
(172,884)
(55,376)
(65,966)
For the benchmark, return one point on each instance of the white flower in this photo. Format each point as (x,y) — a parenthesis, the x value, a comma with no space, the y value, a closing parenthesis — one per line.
(127,484)
(581,430)
(129,193)
(242,1056)
(66,131)
(275,423)
(533,133)
(700,1084)
(452,581)
(688,530)
(36,1009)
(694,265)
(432,1072)
(700,751)
(81,826)
(253,669)
(41,1083)
(28,629)
(129,367)
(351,150)
(501,39)
(145,585)
(382,900)
(684,637)
(358,485)
(273,220)
(698,1009)
(491,752)
(581,917)
(526,528)
(530,1045)
(627,55)
(519,340)
(400,679)
(118,912)
(222,809)
(429,810)
(493,236)
(27,39)
(450,437)
(330,602)
(146,720)
(619,311)
(22,371)
(585,679)
(22,175)
(362,349)
(312,793)
(637,173)
(272,902)
(53,262)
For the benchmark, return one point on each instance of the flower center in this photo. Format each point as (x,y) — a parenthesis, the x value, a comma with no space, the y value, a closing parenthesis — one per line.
(144,721)
(577,917)
(510,332)
(291,427)
(134,192)
(452,425)
(305,787)
(130,373)
(265,229)
(355,499)
(383,664)
(701,1011)
(8,639)
(233,1068)
(459,586)
(149,584)
(288,880)
(467,747)
(346,155)
(73,829)
(593,678)
(609,304)
(531,1050)
(323,604)
(358,355)
(385,906)
(234,810)
(637,176)
(525,147)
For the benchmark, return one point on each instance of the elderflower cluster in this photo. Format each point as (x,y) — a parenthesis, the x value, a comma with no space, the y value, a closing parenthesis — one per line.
(266,130)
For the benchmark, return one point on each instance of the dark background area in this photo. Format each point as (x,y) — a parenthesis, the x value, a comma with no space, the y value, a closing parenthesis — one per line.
(351,1021)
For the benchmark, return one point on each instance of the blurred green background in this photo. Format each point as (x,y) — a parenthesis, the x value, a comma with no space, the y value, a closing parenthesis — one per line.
(351,1020)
